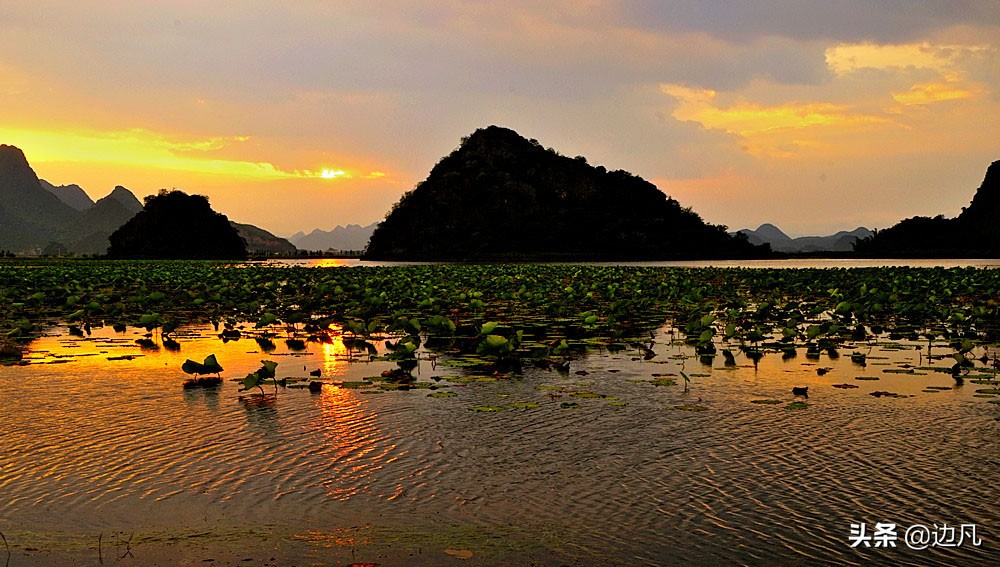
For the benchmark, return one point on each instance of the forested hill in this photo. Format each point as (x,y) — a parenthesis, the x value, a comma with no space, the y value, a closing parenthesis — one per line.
(502,197)
(972,234)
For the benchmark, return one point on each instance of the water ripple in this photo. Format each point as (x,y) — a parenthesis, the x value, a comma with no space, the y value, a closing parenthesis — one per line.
(738,483)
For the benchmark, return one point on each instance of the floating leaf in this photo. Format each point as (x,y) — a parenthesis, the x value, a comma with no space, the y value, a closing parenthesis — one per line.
(488,408)
(442,395)
(192,367)
(459,553)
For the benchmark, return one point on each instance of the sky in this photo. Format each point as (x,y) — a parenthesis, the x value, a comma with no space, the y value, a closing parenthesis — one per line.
(816,116)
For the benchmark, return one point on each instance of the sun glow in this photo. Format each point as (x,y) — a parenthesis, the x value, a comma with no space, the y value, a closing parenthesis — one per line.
(155,151)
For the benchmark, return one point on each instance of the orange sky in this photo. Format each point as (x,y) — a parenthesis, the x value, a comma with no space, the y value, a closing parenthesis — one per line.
(812,117)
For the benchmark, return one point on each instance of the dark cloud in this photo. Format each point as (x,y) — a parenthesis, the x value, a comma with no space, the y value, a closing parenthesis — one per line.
(839,20)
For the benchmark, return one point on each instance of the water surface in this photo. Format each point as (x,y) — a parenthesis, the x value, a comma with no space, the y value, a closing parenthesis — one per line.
(608,469)
(789,263)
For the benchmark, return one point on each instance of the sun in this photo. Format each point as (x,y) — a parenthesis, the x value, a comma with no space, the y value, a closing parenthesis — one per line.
(331,173)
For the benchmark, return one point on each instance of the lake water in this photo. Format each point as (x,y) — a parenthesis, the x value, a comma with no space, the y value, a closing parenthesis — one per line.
(110,461)
(783,263)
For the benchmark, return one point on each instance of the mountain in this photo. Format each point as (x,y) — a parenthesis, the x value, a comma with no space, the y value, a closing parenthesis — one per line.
(350,237)
(260,241)
(842,241)
(72,195)
(101,219)
(176,225)
(30,216)
(972,234)
(767,234)
(502,197)
(126,198)
(37,217)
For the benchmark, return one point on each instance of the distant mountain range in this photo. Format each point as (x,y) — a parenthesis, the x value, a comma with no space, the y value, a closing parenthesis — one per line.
(73,195)
(842,241)
(37,217)
(350,237)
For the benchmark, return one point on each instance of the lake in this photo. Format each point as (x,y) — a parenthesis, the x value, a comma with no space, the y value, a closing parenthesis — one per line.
(762,264)
(615,460)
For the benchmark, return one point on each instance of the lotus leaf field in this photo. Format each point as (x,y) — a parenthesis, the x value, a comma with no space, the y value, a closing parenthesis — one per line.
(505,312)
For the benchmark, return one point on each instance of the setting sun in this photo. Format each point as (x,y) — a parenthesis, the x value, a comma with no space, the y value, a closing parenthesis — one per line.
(331,173)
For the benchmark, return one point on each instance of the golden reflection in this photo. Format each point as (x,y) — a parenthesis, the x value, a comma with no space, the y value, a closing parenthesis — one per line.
(334,353)
(331,263)
(351,433)
(340,537)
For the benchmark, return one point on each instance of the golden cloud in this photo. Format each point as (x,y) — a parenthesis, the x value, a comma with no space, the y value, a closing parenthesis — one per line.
(927,93)
(945,60)
(149,149)
(775,131)
(848,58)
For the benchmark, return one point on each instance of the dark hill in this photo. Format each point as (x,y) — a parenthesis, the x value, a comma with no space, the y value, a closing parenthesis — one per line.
(502,197)
(103,218)
(973,234)
(262,242)
(125,198)
(30,216)
(177,225)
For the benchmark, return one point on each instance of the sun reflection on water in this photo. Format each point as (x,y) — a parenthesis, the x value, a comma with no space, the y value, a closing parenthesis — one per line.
(355,445)
(334,353)
(340,537)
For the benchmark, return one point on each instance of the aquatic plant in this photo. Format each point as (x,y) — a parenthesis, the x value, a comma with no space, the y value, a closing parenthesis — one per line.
(209,366)
(256,379)
(752,311)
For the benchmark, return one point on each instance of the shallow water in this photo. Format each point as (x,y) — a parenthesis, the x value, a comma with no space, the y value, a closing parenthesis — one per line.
(786,263)
(98,449)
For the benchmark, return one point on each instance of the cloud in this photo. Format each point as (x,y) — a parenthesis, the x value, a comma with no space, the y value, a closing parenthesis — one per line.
(953,68)
(154,150)
(929,93)
(885,21)
(768,131)
(847,58)
(757,97)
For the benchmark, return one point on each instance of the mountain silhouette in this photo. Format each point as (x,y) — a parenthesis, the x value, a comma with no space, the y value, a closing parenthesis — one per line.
(37,217)
(972,234)
(350,237)
(260,241)
(502,197)
(176,225)
(30,216)
(842,241)
(101,219)
(73,195)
